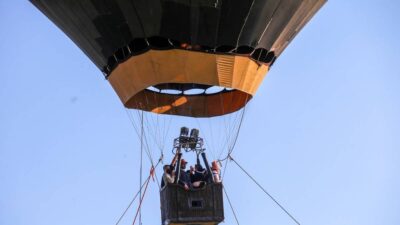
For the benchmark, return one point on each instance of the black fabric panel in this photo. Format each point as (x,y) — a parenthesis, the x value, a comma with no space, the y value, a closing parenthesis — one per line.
(105,30)
(190,21)
(173,26)
(232,18)
(111,25)
(259,17)
(281,17)
(63,16)
(147,13)
(304,13)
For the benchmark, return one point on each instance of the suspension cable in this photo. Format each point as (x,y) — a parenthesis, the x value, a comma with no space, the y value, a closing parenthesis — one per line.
(238,131)
(146,143)
(131,118)
(223,173)
(130,204)
(141,164)
(141,200)
(137,193)
(230,205)
(232,147)
(263,189)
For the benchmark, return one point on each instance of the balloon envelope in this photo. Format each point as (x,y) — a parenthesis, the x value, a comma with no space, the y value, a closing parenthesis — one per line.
(145,47)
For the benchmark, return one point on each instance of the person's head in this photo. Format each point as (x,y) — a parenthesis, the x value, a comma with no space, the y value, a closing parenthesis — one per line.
(183,164)
(166,168)
(214,165)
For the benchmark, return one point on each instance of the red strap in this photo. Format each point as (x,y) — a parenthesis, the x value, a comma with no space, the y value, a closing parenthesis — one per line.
(152,170)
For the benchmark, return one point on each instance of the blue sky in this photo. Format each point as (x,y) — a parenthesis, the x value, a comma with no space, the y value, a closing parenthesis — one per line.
(321,135)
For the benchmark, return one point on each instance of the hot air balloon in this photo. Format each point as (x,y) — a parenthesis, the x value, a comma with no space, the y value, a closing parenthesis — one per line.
(192,58)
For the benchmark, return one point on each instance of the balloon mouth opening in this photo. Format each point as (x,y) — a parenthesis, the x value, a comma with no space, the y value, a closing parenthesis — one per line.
(190,89)
(191,100)
(187,83)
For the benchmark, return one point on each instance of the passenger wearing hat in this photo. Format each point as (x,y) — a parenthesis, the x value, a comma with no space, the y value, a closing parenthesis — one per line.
(168,176)
(215,172)
(184,178)
(199,176)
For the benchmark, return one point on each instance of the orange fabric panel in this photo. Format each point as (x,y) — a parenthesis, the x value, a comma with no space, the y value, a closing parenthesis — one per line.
(189,105)
(132,77)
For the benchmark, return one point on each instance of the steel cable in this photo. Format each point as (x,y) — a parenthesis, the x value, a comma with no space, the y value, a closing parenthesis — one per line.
(263,189)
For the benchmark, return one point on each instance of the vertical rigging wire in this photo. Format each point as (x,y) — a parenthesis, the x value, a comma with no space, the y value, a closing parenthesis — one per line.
(141,165)
(137,131)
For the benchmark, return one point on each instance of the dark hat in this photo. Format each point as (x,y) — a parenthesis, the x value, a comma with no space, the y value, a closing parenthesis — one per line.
(199,167)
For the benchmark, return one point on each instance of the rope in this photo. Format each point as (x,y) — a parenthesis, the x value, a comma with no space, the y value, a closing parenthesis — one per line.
(130,204)
(223,174)
(231,206)
(236,136)
(158,183)
(141,200)
(273,199)
(132,119)
(146,142)
(238,131)
(141,187)
(141,163)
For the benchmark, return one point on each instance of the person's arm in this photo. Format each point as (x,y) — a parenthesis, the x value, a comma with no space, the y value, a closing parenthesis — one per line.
(184,184)
(216,176)
(170,178)
(173,162)
(183,181)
